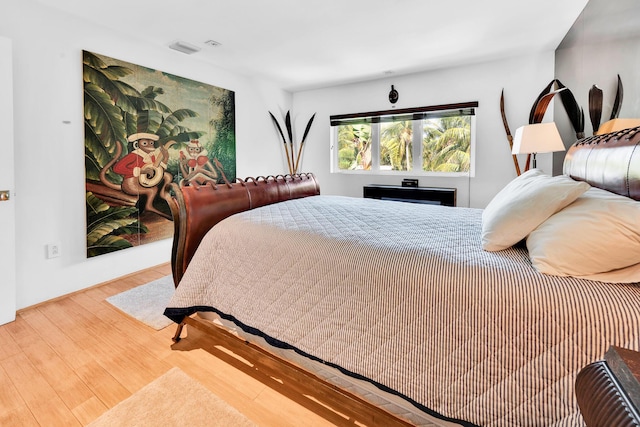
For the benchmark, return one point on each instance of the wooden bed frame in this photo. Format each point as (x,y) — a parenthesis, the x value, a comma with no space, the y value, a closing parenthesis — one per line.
(611,162)
(198,208)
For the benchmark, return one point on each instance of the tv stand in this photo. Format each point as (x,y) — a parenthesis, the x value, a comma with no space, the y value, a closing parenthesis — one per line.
(428,195)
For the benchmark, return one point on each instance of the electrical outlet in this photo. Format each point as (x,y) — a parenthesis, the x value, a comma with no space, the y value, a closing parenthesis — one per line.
(53,250)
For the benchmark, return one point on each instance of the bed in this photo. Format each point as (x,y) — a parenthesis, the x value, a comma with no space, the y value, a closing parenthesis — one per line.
(412,314)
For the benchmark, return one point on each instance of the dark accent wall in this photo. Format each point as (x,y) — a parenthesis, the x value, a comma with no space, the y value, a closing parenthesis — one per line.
(603,42)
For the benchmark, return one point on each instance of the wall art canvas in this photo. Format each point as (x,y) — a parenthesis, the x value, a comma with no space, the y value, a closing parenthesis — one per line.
(144,129)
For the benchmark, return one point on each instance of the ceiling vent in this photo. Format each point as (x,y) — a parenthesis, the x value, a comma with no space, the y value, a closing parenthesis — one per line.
(184,47)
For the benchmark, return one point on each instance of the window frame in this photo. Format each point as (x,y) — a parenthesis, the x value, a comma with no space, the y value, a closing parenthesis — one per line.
(417,115)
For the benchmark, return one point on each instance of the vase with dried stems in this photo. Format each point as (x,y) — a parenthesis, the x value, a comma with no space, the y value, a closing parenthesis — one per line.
(290,148)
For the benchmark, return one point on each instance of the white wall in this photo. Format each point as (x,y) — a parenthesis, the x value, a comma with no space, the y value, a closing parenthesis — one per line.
(522,79)
(7,183)
(50,194)
(49,161)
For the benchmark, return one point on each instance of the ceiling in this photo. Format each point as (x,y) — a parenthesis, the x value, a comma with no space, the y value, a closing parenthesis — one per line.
(307,44)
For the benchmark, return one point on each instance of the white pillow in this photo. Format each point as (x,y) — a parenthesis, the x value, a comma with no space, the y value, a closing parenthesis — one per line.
(523,204)
(598,233)
(623,275)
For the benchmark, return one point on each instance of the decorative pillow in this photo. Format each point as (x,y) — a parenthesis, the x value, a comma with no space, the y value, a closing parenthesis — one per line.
(622,275)
(523,204)
(598,233)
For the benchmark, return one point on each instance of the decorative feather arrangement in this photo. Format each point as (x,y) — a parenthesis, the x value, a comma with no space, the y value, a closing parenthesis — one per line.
(574,111)
(617,103)
(595,107)
(293,160)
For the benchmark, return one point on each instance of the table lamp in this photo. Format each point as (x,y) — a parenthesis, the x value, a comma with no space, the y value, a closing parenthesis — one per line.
(537,138)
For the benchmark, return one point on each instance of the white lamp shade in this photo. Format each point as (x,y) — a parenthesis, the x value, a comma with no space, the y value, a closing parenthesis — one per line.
(537,138)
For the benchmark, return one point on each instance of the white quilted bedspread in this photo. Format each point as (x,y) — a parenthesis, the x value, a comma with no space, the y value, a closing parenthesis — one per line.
(404,295)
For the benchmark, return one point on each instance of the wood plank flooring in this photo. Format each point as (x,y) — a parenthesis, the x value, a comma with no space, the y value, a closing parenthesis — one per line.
(65,362)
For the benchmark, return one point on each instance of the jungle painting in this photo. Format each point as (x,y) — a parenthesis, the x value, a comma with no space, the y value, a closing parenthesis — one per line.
(143,130)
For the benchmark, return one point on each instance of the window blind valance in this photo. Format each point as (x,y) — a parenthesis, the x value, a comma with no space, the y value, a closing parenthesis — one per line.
(419,113)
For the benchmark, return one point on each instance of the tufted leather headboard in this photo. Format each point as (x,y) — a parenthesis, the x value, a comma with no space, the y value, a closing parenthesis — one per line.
(197,208)
(610,161)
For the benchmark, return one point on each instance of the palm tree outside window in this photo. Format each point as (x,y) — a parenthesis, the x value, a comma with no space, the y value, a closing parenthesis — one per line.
(432,140)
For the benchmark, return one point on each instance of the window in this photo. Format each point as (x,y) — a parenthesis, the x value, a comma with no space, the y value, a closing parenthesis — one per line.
(427,140)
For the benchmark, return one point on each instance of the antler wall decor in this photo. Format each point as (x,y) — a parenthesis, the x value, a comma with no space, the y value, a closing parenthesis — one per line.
(293,161)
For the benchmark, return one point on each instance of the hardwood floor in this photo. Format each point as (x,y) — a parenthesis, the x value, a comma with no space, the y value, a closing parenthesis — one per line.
(65,362)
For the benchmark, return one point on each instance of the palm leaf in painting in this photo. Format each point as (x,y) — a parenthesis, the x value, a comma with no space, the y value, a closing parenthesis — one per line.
(149,121)
(130,123)
(107,244)
(98,212)
(104,228)
(96,72)
(126,89)
(103,116)
(181,136)
(150,104)
(152,92)
(172,120)
(106,223)
(92,60)
(96,156)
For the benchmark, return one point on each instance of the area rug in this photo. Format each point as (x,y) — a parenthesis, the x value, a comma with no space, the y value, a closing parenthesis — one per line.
(174,399)
(147,302)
